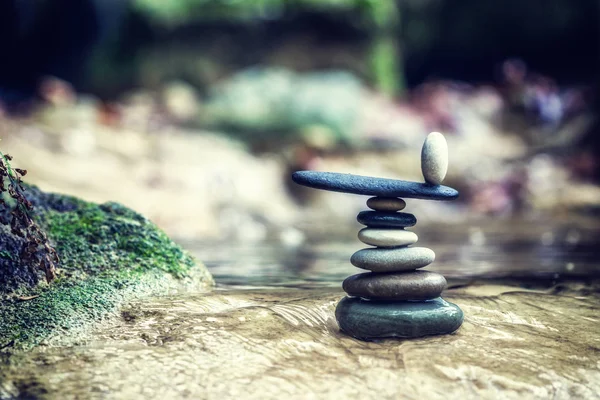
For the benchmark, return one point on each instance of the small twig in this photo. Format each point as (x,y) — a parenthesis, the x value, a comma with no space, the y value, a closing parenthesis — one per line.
(36,250)
(11,343)
(27,298)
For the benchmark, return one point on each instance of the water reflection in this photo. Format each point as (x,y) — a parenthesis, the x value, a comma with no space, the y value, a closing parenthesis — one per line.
(545,250)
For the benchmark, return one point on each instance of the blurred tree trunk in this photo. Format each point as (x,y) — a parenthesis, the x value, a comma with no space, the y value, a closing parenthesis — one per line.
(386,61)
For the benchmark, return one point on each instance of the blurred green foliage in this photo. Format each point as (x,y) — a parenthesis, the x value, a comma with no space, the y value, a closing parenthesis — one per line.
(176,12)
(380,19)
(262,101)
(385,42)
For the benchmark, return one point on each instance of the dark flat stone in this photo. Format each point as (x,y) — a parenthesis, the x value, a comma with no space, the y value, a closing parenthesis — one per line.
(386,219)
(368,320)
(371,186)
(415,285)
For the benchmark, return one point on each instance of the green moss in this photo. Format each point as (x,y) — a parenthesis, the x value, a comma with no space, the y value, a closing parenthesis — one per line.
(108,254)
(67,306)
(92,238)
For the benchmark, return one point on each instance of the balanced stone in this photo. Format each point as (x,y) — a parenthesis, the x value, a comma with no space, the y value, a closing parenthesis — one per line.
(394,259)
(368,320)
(383,219)
(371,186)
(394,299)
(414,285)
(434,158)
(387,237)
(386,204)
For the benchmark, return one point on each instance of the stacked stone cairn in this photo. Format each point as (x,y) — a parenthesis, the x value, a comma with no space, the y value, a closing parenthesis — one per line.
(396,298)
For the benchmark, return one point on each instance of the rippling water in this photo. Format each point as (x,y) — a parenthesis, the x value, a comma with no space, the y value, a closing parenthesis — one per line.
(529,292)
(541,250)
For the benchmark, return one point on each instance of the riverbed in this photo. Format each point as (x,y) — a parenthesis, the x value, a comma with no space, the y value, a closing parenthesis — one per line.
(530,293)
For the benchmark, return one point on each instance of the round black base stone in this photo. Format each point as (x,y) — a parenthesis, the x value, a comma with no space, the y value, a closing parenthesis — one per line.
(370,320)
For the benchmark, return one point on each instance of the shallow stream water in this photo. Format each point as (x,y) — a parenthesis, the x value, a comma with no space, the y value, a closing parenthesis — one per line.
(529,291)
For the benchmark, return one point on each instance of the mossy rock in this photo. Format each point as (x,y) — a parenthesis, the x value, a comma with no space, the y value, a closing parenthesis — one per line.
(108,254)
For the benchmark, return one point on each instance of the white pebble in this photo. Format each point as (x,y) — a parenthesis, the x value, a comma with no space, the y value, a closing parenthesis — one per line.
(434,158)
(387,237)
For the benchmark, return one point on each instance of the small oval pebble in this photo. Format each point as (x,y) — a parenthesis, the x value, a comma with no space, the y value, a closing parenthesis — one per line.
(434,158)
(386,204)
(394,259)
(413,285)
(387,237)
(384,219)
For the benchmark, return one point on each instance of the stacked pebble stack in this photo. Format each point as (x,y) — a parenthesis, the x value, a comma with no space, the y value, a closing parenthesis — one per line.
(396,298)
(393,264)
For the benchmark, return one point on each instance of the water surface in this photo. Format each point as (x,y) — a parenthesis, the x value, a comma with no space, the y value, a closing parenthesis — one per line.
(529,293)
(539,250)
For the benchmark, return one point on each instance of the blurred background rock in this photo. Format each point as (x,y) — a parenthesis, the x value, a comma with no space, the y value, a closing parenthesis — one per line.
(195,112)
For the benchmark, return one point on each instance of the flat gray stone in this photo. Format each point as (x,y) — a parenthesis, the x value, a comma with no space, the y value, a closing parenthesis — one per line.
(385,219)
(386,204)
(387,237)
(414,285)
(393,260)
(434,158)
(368,320)
(371,186)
